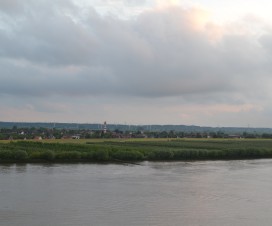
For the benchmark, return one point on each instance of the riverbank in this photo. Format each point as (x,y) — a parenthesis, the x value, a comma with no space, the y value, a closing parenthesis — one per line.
(134,150)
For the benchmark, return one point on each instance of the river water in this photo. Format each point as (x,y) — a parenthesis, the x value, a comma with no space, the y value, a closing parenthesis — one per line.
(203,193)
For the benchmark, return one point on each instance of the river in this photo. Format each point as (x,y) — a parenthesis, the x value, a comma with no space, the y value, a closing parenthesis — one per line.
(204,193)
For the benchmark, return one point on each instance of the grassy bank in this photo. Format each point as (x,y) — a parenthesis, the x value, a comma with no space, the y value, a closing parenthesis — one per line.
(134,150)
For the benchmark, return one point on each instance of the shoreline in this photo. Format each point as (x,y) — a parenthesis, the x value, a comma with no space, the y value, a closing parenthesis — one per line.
(134,151)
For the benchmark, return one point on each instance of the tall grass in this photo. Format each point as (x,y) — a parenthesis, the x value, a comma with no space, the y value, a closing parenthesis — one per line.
(133,150)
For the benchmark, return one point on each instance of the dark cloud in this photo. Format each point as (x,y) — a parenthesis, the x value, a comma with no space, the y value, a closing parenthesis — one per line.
(50,49)
(10,6)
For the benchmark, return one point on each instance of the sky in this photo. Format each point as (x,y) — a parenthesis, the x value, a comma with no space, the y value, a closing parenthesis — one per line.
(191,62)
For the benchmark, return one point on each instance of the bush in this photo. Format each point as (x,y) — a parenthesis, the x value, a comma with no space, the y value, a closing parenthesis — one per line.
(129,155)
(87,156)
(35,155)
(20,155)
(71,155)
(48,155)
(4,155)
(161,155)
(101,155)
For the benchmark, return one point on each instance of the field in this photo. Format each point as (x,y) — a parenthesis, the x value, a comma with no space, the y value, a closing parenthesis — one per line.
(134,150)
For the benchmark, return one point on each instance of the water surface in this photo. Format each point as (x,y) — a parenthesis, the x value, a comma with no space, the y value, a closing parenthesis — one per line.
(207,193)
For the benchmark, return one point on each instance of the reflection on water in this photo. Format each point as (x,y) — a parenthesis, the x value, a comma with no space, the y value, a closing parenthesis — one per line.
(161,193)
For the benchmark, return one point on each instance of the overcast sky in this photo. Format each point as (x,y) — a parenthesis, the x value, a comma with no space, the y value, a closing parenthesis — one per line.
(197,62)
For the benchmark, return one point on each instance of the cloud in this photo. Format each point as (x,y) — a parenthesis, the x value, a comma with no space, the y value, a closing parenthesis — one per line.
(10,6)
(168,51)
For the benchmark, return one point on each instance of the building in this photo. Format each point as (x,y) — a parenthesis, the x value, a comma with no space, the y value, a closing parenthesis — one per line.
(105,127)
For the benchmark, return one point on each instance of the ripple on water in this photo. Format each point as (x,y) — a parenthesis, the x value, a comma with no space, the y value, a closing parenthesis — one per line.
(170,193)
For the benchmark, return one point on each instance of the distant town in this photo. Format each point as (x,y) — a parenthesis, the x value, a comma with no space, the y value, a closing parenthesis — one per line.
(41,131)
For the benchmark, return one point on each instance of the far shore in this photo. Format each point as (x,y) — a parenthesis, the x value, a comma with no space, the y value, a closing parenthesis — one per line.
(132,150)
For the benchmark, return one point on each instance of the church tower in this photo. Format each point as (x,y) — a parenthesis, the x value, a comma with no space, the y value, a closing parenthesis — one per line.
(105,127)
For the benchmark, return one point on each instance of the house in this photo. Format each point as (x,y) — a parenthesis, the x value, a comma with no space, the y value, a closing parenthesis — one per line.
(76,137)
(234,136)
